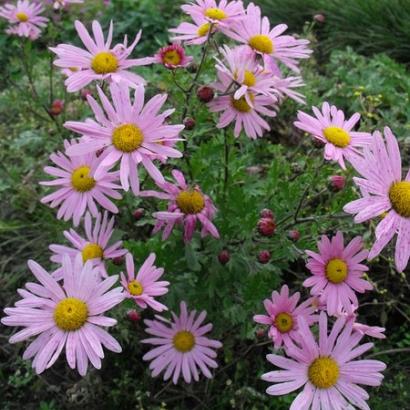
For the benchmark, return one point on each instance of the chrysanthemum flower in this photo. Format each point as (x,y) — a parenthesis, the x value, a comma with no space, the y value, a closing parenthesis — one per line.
(68,315)
(99,61)
(337,272)
(172,56)
(144,286)
(255,32)
(326,368)
(384,192)
(196,33)
(186,207)
(330,127)
(282,313)
(182,347)
(94,247)
(24,18)
(130,132)
(79,185)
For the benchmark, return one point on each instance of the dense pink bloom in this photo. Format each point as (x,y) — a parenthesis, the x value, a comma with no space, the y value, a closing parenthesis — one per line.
(144,286)
(94,247)
(337,272)
(80,186)
(172,57)
(99,61)
(182,347)
(255,32)
(186,207)
(326,368)
(384,193)
(127,131)
(331,128)
(282,314)
(24,18)
(69,315)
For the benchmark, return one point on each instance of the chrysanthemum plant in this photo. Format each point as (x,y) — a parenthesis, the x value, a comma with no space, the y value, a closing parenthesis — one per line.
(182,143)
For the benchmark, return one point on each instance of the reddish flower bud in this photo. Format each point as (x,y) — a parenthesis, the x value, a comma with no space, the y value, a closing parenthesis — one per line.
(264,256)
(224,257)
(138,214)
(320,18)
(266,226)
(133,315)
(267,213)
(260,333)
(118,261)
(337,182)
(294,235)
(57,107)
(189,123)
(84,93)
(205,93)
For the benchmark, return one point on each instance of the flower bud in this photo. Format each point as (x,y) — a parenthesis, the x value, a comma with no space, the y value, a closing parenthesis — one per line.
(138,214)
(264,256)
(133,315)
(189,123)
(260,333)
(56,107)
(84,93)
(224,257)
(294,235)
(320,18)
(118,260)
(337,182)
(205,93)
(267,213)
(266,226)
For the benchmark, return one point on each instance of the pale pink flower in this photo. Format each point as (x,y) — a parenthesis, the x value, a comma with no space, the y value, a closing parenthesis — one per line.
(337,272)
(68,315)
(24,18)
(99,61)
(79,186)
(95,246)
(144,286)
(186,207)
(326,368)
(129,132)
(172,56)
(384,193)
(60,4)
(193,34)
(255,32)
(182,349)
(330,127)
(282,314)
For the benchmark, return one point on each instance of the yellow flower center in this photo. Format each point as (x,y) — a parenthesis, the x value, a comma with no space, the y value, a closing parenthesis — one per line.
(284,322)
(81,179)
(70,314)
(171,57)
(21,16)
(190,202)
(337,136)
(127,138)
(135,288)
(215,13)
(241,104)
(104,63)
(323,372)
(249,78)
(184,341)
(204,29)
(92,251)
(336,270)
(261,43)
(399,195)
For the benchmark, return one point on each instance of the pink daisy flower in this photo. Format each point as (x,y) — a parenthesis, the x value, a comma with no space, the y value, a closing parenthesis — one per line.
(330,127)
(384,193)
(127,131)
(144,286)
(182,347)
(255,32)
(94,247)
(79,185)
(337,272)
(68,315)
(24,18)
(172,57)
(99,61)
(282,314)
(196,33)
(186,207)
(326,368)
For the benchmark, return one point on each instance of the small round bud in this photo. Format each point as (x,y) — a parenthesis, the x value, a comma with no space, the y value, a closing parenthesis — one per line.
(260,333)
(118,260)
(133,315)
(189,123)
(337,182)
(205,93)
(57,107)
(266,226)
(294,235)
(264,256)
(224,257)
(138,214)
(267,213)
(320,18)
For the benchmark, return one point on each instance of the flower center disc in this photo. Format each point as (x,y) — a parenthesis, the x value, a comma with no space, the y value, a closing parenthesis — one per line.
(70,314)
(336,270)
(184,341)
(190,202)
(104,63)
(284,322)
(215,13)
(21,16)
(261,43)
(399,195)
(337,136)
(171,57)
(204,29)
(127,138)
(81,179)
(249,79)
(135,288)
(92,251)
(323,372)
(241,104)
